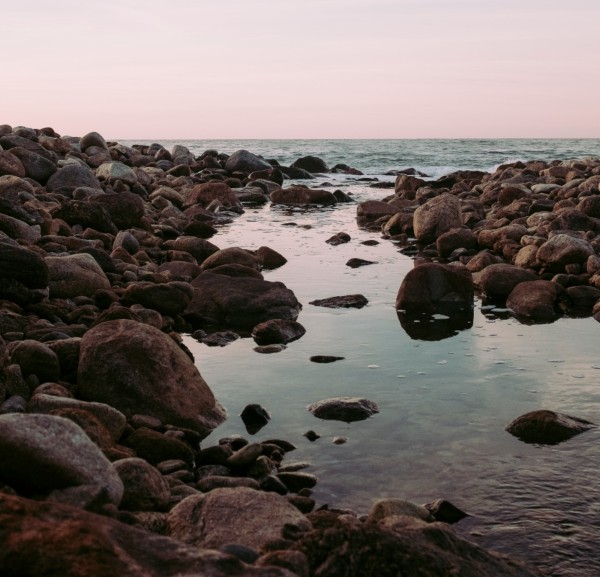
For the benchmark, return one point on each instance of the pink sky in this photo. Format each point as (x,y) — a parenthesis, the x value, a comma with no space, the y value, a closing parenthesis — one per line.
(187,69)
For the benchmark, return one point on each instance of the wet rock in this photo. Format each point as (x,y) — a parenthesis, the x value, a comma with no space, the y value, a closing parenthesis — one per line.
(311,164)
(312,435)
(356,301)
(269,349)
(51,456)
(145,489)
(125,209)
(339,238)
(269,259)
(88,545)
(498,280)
(545,427)
(325,359)
(562,250)
(241,515)
(393,507)
(239,301)
(454,239)
(113,171)
(74,275)
(299,195)
(148,374)
(232,255)
(255,417)
(580,300)
(372,210)
(358,262)
(276,331)
(220,339)
(244,161)
(92,139)
(10,165)
(444,511)
(346,409)
(437,216)
(199,248)
(535,301)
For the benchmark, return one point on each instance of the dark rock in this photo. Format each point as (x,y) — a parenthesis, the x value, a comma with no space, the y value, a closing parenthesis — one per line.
(277,331)
(454,239)
(445,511)
(204,194)
(74,275)
(544,427)
(312,436)
(125,209)
(167,298)
(87,215)
(339,238)
(535,301)
(269,349)
(245,554)
(269,259)
(148,374)
(72,176)
(92,139)
(36,358)
(254,417)
(298,195)
(145,489)
(296,173)
(199,248)
(346,409)
(498,280)
(358,262)
(11,165)
(311,164)
(155,447)
(244,161)
(36,166)
(23,265)
(325,359)
(220,339)
(348,301)
(231,255)
(562,250)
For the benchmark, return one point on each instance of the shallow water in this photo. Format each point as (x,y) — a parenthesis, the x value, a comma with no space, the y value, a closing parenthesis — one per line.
(443,404)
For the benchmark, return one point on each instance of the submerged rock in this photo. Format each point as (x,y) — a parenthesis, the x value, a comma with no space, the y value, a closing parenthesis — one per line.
(356,301)
(545,427)
(346,409)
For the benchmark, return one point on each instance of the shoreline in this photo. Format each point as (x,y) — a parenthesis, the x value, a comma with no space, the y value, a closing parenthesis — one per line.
(143,223)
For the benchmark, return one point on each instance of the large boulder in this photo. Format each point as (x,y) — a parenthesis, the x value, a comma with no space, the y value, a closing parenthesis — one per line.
(535,301)
(125,209)
(312,164)
(234,515)
(72,176)
(499,279)
(231,255)
(204,194)
(243,302)
(438,215)
(148,374)
(75,275)
(277,331)
(87,215)
(170,298)
(244,161)
(112,171)
(545,427)
(47,539)
(23,265)
(36,166)
(564,249)
(435,288)
(51,456)
(299,195)
(10,165)
(145,488)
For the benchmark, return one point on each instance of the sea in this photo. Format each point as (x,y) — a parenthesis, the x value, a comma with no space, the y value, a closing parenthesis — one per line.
(443,403)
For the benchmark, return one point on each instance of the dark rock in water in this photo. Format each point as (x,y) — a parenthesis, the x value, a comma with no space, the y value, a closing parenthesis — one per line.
(36,166)
(220,339)
(498,280)
(240,301)
(371,242)
(312,436)
(358,262)
(346,409)
(535,301)
(269,259)
(342,197)
(231,255)
(299,195)
(348,301)
(545,427)
(398,546)
(110,547)
(445,511)
(296,173)
(269,349)
(254,417)
(340,440)
(581,300)
(296,481)
(244,161)
(345,169)
(148,374)
(311,164)
(10,165)
(325,359)
(36,358)
(204,194)
(339,238)
(433,288)
(277,331)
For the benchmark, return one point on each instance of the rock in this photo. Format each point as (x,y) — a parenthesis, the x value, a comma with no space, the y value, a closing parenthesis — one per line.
(277,331)
(51,456)
(220,339)
(399,546)
(43,538)
(296,481)
(244,161)
(311,164)
(148,374)
(204,194)
(10,165)
(36,358)
(74,275)
(454,239)
(358,262)
(580,300)
(562,250)
(498,280)
(325,359)
(36,166)
(156,448)
(125,209)
(372,210)
(240,301)
(199,248)
(296,173)
(406,185)
(145,489)
(255,417)
(346,409)
(299,195)
(347,301)
(535,301)
(437,216)
(393,507)
(210,483)
(170,298)
(241,515)
(92,139)
(72,176)
(22,265)
(245,456)
(545,427)
(269,259)
(339,238)
(113,171)
(87,215)
(232,255)
(445,511)
(433,288)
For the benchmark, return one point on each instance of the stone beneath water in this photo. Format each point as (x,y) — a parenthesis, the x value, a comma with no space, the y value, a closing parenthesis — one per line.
(346,409)
(356,301)
(545,427)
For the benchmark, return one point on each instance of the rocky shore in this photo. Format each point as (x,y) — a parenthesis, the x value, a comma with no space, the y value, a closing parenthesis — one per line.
(105,261)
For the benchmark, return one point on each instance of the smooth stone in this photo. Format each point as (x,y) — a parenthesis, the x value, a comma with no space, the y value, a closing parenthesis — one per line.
(277,331)
(356,301)
(145,489)
(346,409)
(545,427)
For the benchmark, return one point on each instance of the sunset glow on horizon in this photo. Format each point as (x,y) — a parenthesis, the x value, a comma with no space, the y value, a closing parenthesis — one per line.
(303,69)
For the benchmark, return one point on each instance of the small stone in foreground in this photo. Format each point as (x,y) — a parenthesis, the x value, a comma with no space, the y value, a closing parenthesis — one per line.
(346,409)
(356,301)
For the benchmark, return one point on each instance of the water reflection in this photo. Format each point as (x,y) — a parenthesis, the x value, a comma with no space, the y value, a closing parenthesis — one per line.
(434,327)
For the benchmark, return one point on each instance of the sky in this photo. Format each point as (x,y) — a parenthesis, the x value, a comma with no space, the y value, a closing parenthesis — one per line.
(201,69)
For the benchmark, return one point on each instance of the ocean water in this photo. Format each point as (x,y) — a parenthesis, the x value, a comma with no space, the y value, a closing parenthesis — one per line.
(443,404)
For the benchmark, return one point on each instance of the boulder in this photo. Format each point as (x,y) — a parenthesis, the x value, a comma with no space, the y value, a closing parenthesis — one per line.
(72,176)
(125,209)
(50,456)
(545,427)
(170,298)
(346,409)
(498,280)
(372,210)
(74,275)
(112,171)
(204,194)
(269,259)
(438,215)
(145,489)
(36,166)
(277,331)
(199,248)
(92,139)
(406,185)
(43,539)
(148,374)
(10,165)
(238,515)
(564,249)
(231,255)
(299,195)
(244,301)
(36,358)
(155,448)
(244,161)
(436,288)
(535,301)
(87,215)
(311,164)
(23,265)
(454,239)
(383,508)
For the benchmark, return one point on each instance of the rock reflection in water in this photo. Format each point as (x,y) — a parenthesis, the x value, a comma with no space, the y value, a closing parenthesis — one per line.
(423,327)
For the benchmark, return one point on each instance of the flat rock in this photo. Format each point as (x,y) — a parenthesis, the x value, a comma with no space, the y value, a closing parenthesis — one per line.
(276,331)
(545,427)
(356,301)
(358,262)
(345,409)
